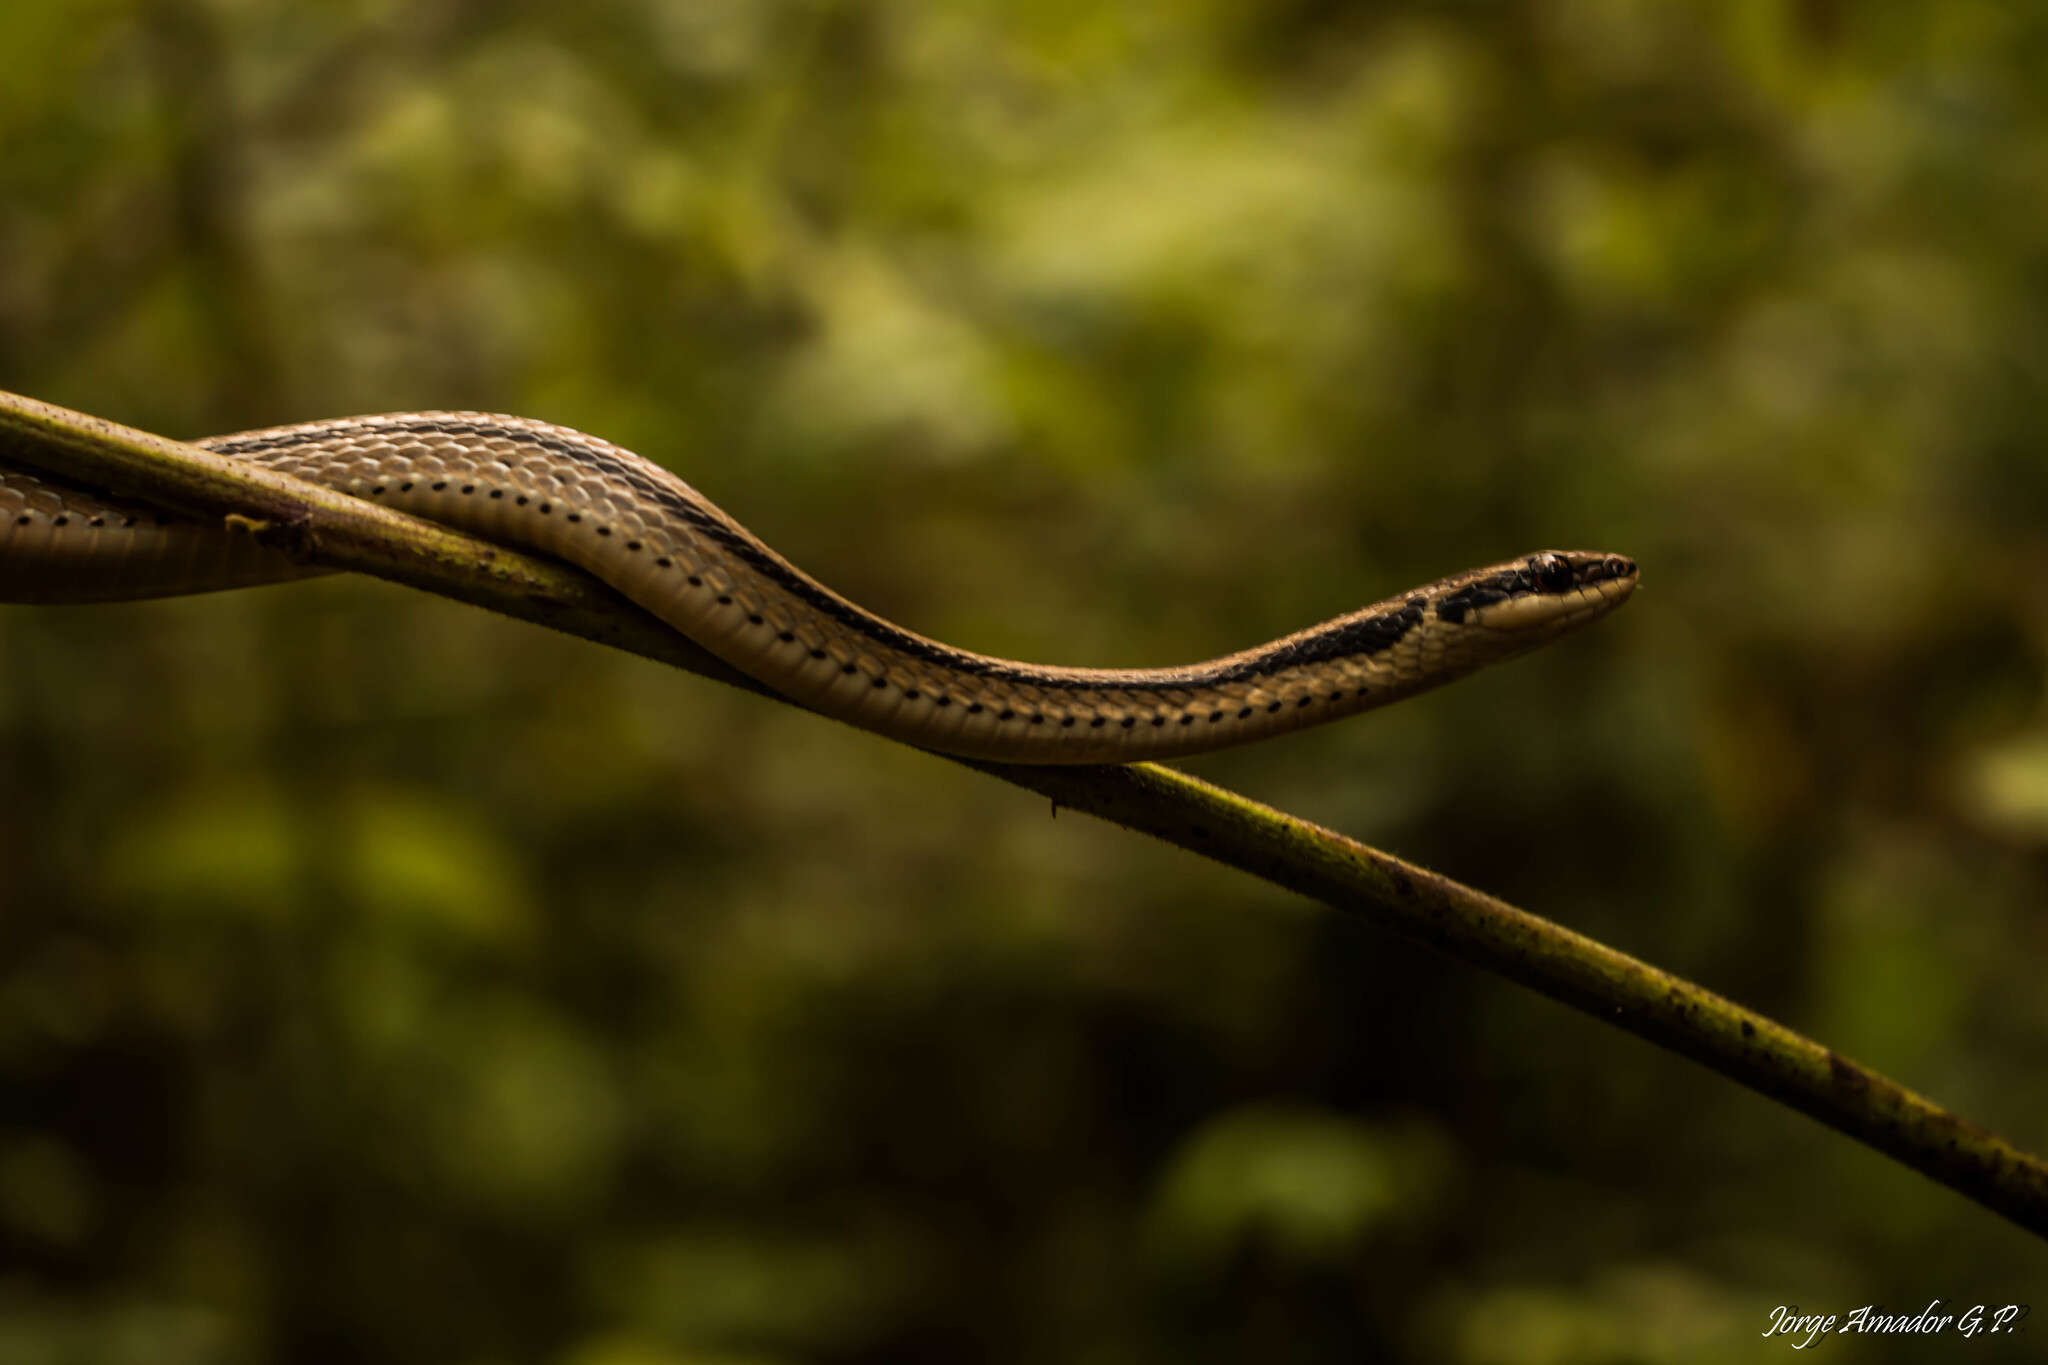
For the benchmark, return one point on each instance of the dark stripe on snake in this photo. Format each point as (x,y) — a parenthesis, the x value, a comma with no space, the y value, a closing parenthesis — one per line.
(1362,634)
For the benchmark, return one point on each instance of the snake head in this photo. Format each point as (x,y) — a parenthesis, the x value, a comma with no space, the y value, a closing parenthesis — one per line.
(1551,589)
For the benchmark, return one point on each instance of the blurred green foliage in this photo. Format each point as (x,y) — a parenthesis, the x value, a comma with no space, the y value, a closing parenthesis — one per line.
(382,981)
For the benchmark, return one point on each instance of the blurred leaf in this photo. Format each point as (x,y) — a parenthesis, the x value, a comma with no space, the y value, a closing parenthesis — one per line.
(524,1112)
(225,850)
(2006,786)
(1307,1187)
(755,1285)
(427,863)
(1648,1314)
(1893,969)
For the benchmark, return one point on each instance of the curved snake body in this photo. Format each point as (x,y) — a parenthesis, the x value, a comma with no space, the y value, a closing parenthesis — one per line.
(662,544)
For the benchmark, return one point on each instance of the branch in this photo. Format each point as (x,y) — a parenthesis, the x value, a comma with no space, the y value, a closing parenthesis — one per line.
(329,529)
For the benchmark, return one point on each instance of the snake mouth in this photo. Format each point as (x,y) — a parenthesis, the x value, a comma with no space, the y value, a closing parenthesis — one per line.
(1608,583)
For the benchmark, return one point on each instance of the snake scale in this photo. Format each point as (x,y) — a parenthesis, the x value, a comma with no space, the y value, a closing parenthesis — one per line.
(654,538)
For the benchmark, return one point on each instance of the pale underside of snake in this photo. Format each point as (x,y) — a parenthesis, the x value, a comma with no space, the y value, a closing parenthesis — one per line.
(665,546)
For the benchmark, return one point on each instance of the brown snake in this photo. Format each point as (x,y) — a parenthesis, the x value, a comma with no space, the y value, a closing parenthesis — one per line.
(668,548)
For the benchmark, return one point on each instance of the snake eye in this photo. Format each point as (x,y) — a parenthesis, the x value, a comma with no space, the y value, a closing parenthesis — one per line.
(1551,572)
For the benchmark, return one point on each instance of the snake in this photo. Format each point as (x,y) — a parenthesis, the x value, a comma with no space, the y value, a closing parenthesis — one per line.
(641,529)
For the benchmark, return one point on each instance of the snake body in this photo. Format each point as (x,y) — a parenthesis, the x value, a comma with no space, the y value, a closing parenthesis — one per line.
(669,549)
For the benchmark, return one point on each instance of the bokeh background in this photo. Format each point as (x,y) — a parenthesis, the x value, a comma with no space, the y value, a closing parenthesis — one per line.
(380,980)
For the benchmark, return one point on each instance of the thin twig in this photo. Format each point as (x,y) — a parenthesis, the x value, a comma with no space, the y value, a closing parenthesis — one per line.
(322,527)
